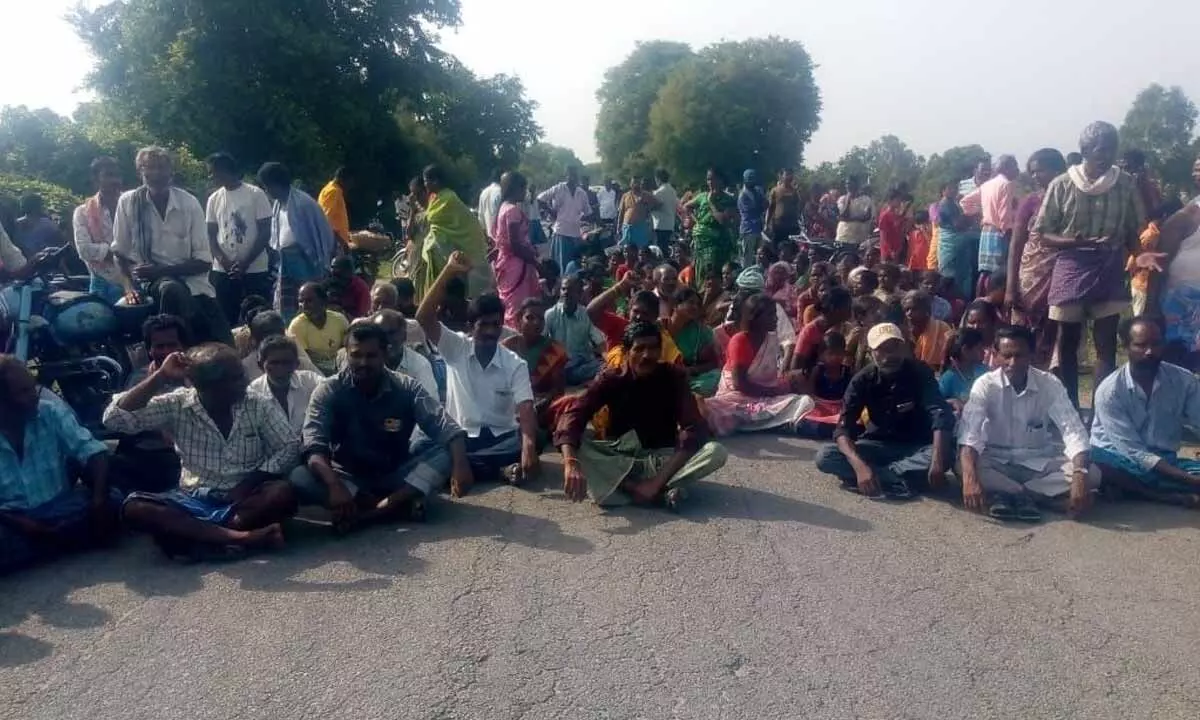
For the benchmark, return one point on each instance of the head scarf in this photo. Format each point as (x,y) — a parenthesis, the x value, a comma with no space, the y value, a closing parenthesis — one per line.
(751,279)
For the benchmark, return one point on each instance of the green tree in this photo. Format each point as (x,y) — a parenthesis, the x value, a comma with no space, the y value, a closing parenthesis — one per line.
(314,83)
(544,164)
(736,105)
(626,96)
(954,164)
(1161,123)
(884,164)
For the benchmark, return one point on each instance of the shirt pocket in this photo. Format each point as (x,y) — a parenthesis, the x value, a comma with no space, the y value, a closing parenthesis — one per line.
(502,402)
(245,451)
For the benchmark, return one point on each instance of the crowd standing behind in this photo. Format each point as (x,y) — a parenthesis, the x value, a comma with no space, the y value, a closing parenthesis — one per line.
(937,355)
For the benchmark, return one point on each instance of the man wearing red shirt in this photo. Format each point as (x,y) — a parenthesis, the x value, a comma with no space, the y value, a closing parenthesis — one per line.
(347,290)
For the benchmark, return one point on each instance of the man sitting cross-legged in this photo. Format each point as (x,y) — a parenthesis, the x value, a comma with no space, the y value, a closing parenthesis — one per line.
(234,447)
(362,460)
(488,391)
(909,440)
(1008,456)
(661,440)
(1141,410)
(42,511)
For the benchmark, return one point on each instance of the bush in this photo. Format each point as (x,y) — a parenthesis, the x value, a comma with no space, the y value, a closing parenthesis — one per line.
(60,202)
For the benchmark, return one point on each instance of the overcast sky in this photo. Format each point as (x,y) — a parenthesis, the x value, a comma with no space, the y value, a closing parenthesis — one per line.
(1013,76)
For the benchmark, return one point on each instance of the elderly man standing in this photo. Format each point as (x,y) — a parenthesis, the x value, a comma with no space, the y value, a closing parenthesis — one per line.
(235,447)
(1141,410)
(569,203)
(160,237)
(1008,455)
(995,202)
(42,511)
(1092,215)
(909,443)
(301,235)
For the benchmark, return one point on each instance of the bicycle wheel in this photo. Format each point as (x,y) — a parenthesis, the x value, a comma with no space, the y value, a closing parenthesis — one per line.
(400,264)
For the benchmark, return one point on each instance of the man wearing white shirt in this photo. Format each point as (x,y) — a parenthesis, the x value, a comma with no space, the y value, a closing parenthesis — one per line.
(569,203)
(93,225)
(488,391)
(160,238)
(238,217)
(489,204)
(606,199)
(283,380)
(1008,456)
(664,216)
(402,358)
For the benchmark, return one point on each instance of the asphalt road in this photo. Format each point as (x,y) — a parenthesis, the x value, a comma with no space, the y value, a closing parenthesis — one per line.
(775,595)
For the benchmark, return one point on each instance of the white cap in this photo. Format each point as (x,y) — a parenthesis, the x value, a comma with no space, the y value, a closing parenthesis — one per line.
(881,333)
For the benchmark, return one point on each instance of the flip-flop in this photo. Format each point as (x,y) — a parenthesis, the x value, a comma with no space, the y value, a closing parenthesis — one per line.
(674,499)
(1026,511)
(1001,508)
(513,475)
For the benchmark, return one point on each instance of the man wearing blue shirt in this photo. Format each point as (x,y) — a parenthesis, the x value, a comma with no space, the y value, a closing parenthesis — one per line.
(1140,413)
(42,512)
(752,206)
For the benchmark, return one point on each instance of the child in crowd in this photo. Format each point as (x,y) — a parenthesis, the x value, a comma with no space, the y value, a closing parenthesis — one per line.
(931,282)
(834,311)
(889,283)
(826,382)
(866,313)
(919,238)
(964,365)
(983,317)
(863,282)
(993,289)
(819,287)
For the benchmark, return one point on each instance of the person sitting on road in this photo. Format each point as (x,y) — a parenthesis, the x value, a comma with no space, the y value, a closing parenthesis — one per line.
(406,296)
(964,365)
(1009,458)
(234,446)
(347,292)
(318,330)
(659,442)
(568,324)
(250,306)
(384,296)
(546,359)
(283,381)
(160,238)
(361,458)
(908,444)
(265,324)
(930,337)
(43,512)
(487,386)
(643,307)
(666,284)
(147,461)
(1140,411)
(401,358)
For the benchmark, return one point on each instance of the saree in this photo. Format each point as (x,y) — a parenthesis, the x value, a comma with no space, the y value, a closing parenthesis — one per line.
(730,411)
(516,279)
(957,251)
(453,227)
(712,242)
(691,341)
(1037,264)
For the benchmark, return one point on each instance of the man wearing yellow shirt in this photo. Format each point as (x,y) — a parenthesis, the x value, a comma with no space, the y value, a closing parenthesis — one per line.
(333,203)
(318,330)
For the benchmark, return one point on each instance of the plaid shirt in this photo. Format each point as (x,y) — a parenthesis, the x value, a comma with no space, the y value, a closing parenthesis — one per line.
(261,438)
(40,475)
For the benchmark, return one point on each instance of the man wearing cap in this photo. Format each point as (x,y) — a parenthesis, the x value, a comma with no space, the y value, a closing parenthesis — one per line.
(752,206)
(909,443)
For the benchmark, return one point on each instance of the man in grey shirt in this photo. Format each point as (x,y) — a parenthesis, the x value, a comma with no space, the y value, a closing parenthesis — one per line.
(361,459)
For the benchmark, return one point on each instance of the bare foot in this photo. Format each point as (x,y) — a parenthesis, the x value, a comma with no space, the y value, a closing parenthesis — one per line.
(268,538)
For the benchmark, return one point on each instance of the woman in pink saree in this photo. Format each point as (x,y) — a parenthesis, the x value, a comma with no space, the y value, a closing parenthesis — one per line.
(515,260)
(752,394)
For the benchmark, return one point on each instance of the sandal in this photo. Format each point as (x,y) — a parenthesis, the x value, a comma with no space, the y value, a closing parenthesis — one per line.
(1026,511)
(673,499)
(1001,508)
(513,475)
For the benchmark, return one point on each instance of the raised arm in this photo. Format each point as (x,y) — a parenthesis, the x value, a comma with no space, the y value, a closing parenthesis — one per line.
(427,314)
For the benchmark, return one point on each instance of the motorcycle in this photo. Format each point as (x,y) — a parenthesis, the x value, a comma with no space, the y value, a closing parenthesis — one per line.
(369,247)
(74,342)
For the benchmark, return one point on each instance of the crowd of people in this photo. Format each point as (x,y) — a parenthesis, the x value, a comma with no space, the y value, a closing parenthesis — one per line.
(276,378)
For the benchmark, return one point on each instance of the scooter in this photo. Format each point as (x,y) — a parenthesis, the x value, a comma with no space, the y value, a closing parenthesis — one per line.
(74,342)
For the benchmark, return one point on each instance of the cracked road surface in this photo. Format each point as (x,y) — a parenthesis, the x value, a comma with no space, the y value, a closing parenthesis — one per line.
(775,595)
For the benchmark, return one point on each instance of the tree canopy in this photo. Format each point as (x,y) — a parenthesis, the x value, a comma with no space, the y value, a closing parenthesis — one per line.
(314,83)
(626,96)
(1161,123)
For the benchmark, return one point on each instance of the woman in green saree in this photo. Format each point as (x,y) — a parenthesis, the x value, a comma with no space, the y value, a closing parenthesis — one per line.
(453,227)
(713,243)
(696,343)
